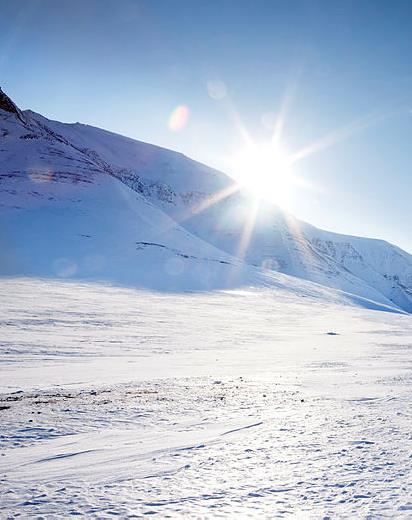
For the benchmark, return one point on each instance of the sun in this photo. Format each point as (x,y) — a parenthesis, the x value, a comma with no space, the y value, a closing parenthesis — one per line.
(264,171)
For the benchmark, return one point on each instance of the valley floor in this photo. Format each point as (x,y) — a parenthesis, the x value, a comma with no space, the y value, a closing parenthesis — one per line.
(241,403)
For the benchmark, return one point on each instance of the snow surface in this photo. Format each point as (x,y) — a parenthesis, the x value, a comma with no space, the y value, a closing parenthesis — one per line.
(151,365)
(81,202)
(234,403)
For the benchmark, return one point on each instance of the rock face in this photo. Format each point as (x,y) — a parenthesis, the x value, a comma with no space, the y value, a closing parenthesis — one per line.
(7,105)
(49,169)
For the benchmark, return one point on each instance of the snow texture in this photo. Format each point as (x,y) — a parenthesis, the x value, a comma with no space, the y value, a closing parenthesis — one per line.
(229,403)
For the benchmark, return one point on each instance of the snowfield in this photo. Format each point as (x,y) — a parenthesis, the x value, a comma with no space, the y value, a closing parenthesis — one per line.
(232,403)
(169,348)
(81,202)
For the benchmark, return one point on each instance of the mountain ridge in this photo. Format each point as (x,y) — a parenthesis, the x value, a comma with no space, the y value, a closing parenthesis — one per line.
(179,186)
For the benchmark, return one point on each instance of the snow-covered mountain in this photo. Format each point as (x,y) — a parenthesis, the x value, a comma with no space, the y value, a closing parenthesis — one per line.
(80,201)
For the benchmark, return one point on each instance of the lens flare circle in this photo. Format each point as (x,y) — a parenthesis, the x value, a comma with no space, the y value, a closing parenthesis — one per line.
(216,89)
(178,118)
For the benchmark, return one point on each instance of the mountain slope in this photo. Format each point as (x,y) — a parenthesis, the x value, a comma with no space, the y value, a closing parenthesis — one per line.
(70,178)
(61,215)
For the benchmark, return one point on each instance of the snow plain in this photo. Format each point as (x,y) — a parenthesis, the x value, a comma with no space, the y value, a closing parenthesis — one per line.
(234,403)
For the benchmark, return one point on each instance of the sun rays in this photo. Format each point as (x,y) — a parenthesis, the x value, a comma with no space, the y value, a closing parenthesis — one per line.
(215,198)
(247,231)
(268,170)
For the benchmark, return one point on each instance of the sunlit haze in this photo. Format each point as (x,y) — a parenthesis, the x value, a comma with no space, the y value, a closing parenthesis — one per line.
(328,82)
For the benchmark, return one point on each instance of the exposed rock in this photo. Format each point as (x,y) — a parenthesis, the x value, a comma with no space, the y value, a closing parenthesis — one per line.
(7,104)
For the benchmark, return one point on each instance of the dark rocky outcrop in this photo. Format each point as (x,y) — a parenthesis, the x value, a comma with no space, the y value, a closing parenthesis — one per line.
(7,104)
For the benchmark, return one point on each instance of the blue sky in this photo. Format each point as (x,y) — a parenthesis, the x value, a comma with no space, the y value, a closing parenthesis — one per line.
(343,66)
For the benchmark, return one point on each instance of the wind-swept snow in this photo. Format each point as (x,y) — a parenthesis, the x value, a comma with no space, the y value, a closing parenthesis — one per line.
(243,402)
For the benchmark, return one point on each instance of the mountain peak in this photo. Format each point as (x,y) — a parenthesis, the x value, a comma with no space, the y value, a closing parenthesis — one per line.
(7,104)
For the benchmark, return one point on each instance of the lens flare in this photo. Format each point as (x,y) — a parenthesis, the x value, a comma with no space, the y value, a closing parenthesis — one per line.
(216,89)
(40,176)
(178,118)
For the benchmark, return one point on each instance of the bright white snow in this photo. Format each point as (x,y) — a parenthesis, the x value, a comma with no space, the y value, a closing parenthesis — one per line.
(254,402)
(173,369)
(81,202)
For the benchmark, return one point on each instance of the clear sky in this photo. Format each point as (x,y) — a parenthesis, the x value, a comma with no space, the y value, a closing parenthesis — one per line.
(340,72)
